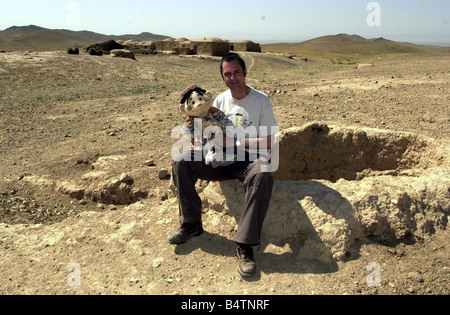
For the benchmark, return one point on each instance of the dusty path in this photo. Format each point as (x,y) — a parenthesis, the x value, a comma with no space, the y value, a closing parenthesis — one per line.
(252,61)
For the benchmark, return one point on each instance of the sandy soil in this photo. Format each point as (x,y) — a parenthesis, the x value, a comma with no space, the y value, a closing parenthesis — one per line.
(69,119)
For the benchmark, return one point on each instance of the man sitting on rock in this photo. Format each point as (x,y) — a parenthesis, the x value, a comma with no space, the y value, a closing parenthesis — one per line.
(252,114)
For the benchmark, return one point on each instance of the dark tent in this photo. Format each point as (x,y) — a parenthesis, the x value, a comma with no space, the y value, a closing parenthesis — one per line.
(105,47)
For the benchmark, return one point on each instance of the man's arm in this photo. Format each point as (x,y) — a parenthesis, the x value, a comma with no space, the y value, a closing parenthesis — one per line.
(257,143)
(265,143)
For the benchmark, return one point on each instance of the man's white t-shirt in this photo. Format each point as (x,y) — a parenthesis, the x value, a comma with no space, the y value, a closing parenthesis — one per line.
(255,111)
(252,116)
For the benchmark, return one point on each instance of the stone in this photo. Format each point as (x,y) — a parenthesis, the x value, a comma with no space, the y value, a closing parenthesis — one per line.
(115,183)
(124,178)
(74,191)
(157,262)
(134,280)
(364,65)
(149,163)
(415,276)
(162,173)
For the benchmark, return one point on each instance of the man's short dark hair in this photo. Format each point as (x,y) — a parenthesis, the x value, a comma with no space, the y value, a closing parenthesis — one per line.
(231,57)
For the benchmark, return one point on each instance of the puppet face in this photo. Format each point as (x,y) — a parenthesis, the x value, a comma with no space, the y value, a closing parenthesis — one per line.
(197,104)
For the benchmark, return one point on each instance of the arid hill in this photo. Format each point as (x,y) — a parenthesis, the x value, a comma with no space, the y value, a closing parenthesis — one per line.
(37,38)
(351,46)
(34,37)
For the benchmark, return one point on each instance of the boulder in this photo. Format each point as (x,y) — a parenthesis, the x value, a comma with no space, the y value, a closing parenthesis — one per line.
(122,53)
(71,51)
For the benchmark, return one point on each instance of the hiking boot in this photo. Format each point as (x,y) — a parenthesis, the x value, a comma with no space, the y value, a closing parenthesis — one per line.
(247,264)
(185,233)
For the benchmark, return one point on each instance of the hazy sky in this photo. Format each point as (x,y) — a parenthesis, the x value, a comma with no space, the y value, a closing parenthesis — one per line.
(258,20)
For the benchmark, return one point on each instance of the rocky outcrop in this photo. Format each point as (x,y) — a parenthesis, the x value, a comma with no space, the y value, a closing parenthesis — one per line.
(103,184)
(331,218)
(320,151)
(336,186)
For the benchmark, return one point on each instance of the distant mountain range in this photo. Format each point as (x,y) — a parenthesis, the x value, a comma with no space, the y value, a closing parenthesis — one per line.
(344,45)
(34,37)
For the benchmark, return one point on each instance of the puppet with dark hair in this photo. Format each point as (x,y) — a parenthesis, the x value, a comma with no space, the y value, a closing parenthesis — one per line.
(196,103)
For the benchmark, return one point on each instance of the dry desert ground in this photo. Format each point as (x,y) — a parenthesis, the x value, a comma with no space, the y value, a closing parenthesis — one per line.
(83,210)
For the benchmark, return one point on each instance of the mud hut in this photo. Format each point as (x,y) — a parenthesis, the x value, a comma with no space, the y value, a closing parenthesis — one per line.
(130,43)
(212,46)
(169,44)
(143,48)
(148,45)
(246,46)
(185,47)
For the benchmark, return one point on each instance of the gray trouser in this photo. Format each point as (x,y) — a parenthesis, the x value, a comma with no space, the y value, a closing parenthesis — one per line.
(257,185)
